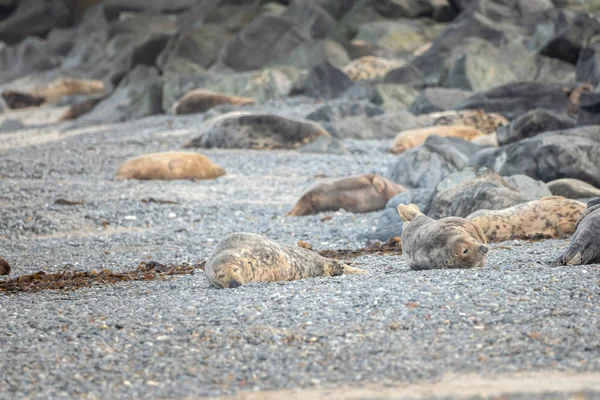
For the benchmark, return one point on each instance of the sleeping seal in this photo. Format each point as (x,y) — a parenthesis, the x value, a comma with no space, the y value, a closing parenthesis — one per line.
(450,242)
(244,257)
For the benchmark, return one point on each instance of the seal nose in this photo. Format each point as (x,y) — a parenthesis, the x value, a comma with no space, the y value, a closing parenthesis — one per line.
(483,249)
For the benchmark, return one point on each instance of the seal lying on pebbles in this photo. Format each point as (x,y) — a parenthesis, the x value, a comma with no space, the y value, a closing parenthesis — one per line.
(414,137)
(549,217)
(357,194)
(4,267)
(584,247)
(169,166)
(200,100)
(245,130)
(243,257)
(450,242)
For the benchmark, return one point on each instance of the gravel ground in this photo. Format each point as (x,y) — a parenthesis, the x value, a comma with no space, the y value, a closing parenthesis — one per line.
(179,337)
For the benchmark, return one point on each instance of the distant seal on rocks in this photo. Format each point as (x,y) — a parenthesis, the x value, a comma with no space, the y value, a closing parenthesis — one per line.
(573,188)
(68,87)
(169,166)
(450,242)
(549,217)
(4,267)
(200,100)
(584,247)
(357,194)
(486,123)
(369,67)
(244,257)
(414,137)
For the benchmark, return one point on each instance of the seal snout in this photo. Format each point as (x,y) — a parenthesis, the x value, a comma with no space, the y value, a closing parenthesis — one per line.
(483,249)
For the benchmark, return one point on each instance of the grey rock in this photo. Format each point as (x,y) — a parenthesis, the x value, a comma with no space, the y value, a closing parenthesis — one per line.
(138,95)
(571,153)
(390,223)
(426,165)
(312,53)
(515,99)
(10,125)
(34,18)
(260,42)
(380,126)
(589,109)
(325,145)
(573,188)
(470,190)
(324,81)
(588,63)
(533,189)
(533,123)
(337,111)
(584,247)
(438,99)
(567,44)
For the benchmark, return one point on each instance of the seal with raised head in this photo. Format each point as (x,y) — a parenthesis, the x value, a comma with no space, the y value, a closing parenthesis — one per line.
(168,166)
(4,267)
(242,257)
(549,217)
(450,242)
(357,194)
(584,247)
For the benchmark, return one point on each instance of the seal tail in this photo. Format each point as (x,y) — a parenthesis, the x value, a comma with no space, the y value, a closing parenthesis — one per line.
(408,212)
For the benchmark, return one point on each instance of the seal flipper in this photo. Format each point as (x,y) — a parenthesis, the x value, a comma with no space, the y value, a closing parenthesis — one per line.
(408,212)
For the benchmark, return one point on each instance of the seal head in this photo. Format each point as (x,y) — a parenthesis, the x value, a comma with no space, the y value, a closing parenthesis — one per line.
(451,242)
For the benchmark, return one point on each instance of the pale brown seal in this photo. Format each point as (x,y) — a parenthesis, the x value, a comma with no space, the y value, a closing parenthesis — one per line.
(450,242)
(584,247)
(486,123)
(549,217)
(244,257)
(169,166)
(414,137)
(357,194)
(4,267)
(201,100)
(369,67)
(53,91)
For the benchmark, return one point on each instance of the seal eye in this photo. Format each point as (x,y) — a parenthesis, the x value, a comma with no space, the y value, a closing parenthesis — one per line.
(465,251)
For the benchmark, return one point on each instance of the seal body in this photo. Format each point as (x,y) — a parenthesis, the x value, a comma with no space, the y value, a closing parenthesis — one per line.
(357,194)
(169,166)
(450,242)
(200,100)
(573,188)
(584,247)
(415,137)
(486,123)
(549,217)
(4,267)
(244,257)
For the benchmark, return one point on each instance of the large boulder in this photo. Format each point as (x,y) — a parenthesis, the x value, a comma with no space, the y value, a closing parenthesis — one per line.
(323,81)
(567,43)
(138,95)
(470,190)
(515,99)
(533,123)
(570,153)
(34,18)
(425,166)
(589,109)
(377,127)
(390,223)
(438,99)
